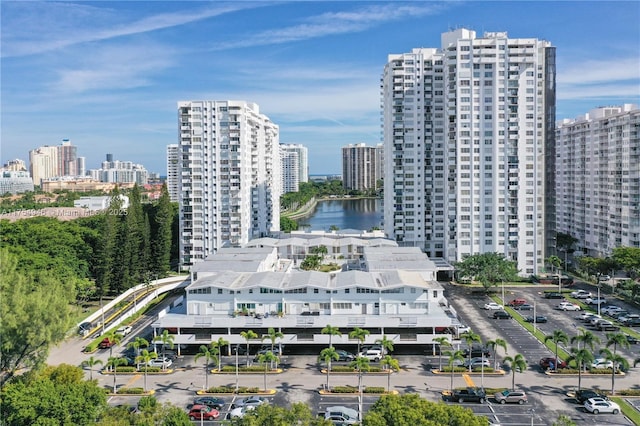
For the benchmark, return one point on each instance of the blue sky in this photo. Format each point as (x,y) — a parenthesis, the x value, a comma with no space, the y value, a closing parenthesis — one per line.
(108,75)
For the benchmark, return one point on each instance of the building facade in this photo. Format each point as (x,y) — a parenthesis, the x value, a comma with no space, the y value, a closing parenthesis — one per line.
(290,164)
(120,172)
(16,165)
(15,182)
(230,184)
(469,145)
(598,179)
(173,173)
(67,159)
(43,163)
(302,154)
(360,167)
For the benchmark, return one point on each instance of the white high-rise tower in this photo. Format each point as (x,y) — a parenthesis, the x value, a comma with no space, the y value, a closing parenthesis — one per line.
(173,172)
(469,147)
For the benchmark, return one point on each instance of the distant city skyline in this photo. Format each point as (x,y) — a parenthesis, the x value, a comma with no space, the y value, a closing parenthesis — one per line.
(108,75)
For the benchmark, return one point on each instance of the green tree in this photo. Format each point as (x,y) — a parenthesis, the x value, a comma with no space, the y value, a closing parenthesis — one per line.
(617,340)
(331,331)
(327,355)
(91,362)
(33,316)
(628,258)
(161,247)
(454,356)
(167,340)
(586,338)
(392,365)
(360,364)
(144,358)
(442,342)
(113,363)
(266,359)
(272,415)
(359,334)
(581,357)
(114,338)
(411,409)
(494,345)
(488,268)
(387,344)
(557,337)
(287,224)
(248,335)
(209,354)
(218,345)
(106,279)
(137,344)
(470,338)
(619,363)
(517,364)
(273,335)
(555,263)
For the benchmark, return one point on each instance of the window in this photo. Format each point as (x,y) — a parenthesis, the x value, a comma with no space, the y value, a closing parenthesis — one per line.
(342,306)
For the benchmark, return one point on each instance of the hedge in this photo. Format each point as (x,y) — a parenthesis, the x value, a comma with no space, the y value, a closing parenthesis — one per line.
(459,369)
(354,389)
(348,369)
(245,369)
(131,391)
(232,389)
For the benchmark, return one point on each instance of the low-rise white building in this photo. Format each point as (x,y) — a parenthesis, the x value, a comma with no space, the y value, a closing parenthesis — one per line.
(100,203)
(389,290)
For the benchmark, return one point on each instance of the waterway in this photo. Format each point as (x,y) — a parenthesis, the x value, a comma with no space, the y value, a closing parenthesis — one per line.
(362,214)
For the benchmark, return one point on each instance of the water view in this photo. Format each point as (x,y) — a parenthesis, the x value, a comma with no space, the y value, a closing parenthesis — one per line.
(345,214)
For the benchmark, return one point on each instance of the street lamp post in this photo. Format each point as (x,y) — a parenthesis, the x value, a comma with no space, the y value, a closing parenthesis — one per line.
(503,292)
(599,293)
(237,347)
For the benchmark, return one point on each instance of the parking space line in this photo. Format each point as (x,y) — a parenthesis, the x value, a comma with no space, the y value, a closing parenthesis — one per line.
(468,380)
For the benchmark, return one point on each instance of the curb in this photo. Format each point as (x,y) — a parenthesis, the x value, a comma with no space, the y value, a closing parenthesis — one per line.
(262,392)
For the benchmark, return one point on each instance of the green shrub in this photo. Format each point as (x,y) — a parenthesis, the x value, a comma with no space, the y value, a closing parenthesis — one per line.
(627,392)
(600,371)
(131,391)
(243,369)
(349,369)
(232,389)
(344,389)
(150,369)
(458,369)
(374,389)
(125,369)
(486,370)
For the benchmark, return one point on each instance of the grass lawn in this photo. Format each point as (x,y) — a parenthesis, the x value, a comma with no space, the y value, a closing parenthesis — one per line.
(627,409)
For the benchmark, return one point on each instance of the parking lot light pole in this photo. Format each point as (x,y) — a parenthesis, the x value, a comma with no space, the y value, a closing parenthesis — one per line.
(599,293)
(503,292)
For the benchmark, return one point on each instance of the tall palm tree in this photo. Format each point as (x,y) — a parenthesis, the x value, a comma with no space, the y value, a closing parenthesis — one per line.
(617,339)
(392,365)
(581,357)
(470,338)
(494,345)
(360,334)
(327,355)
(167,340)
(247,336)
(619,363)
(360,364)
(137,344)
(219,344)
(91,362)
(115,339)
(273,335)
(387,344)
(586,337)
(453,357)
(517,363)
(266,359)
(557,337)
(114,362)
(555,262)
(144,358)
(331,331)
(442,342)
(209,354)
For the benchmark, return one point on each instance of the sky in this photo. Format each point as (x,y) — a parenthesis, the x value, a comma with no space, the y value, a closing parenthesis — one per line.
(108,75)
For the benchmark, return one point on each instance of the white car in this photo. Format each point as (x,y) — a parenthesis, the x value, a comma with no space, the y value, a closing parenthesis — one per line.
(595,301)
(160,362)
(342,415)
(599,405)
(566,306)
(601,363)
(580,294)
(493,306)
(239,412)
(608,310)
(374,355)
(124,330)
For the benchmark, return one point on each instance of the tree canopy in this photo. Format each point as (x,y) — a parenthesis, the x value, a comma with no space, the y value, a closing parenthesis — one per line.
(488,268)
(272,415)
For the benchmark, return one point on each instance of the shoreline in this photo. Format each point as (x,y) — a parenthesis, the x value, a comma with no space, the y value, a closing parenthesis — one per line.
(307,209)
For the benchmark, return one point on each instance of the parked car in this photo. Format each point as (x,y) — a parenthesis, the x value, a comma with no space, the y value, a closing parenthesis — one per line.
(256,358)
(539,319)
(477,363)
(239,349)
(462,328)
(106,343)
(342,415)
(516,302)
(628,318)
(607,325)
(523,307)
(605,277)
(239,412)
(632,322)
(85,328)
(203,412)
(585,316)
(345,356)
(619,313)
(584,394)
(501,315)
(374,348)
(568,306)
(553,295)
(476,351)
(493,306)
(469,395)
(597,406)
(595,319)
(250,401)
(374,355)
(609,308)
(210,401)
(548,362)
(601,363)
(505,396)
(580,294)
(160,362)
(595,301)
(632,340)
(124,330)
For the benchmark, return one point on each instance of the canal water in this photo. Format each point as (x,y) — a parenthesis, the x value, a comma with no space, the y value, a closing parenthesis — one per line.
(362,214)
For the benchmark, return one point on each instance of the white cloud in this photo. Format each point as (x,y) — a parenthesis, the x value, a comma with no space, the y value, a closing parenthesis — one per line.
(601,91)
(598,71)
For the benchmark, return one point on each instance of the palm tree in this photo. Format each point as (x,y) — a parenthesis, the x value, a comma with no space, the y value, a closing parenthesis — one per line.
(517,363)
(209,354)
(453,357)
(144,358)
(470,338)
(387,344)
(494,344)
(327,355)
(331,331)
(557,337)
(114,362)
(392,365)
(219,344)
(581,357)
(442,342)
(91,362)
(617,339)
(619,362)
(273,335)
(167,340)
(115,339)
(360,364)
(137,344)
(360,334)
(267,358)
(586,337)
(555,262)
(247,336)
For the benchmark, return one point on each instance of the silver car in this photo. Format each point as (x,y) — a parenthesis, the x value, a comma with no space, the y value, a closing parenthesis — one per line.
(516,396)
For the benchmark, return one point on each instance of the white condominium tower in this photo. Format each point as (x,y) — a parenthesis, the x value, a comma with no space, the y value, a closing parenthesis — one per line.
(173,172)
(295,166)
(229,188)
(598,179)
(469,147)
(360,167)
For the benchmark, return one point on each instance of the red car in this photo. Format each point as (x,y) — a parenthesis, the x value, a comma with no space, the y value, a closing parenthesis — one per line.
(202,412)
(106,343)
(546,363)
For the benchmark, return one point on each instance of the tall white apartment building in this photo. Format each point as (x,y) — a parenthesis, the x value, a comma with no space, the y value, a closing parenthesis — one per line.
(43,163)
(290,165)
(469,133)
(117,171)
(173,171)
(598,179)
(230,185)
(302,153)
(360,167)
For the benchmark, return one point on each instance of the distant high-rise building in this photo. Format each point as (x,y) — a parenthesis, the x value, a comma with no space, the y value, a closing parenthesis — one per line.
(16,165)
(469,138)
(67,159)
(598,179)
(173,171)
(290,164)
(43,163)
(109,158)
(229,171)
(120,172)
(81,166)
(303,159)
(360,167)
(15,182)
